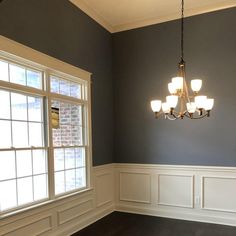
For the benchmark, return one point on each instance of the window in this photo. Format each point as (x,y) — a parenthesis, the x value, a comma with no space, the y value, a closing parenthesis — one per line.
(69,142)
(23,166)
(29,140)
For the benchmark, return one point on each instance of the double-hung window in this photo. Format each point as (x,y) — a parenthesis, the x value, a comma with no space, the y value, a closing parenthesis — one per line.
(69,140)
(44,133)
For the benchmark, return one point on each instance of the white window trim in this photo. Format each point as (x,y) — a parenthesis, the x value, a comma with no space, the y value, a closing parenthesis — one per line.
(22,54)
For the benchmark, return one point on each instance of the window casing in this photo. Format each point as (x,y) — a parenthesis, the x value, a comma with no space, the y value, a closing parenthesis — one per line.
(38,162)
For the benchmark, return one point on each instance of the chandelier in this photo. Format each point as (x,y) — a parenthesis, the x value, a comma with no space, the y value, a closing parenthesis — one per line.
(180,103)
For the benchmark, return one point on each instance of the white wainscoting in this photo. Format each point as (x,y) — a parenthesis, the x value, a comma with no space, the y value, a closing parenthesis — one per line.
(206,194)
(104,185)
(197,193)
(175,190)
(67,215)
(135,187)
(219,193)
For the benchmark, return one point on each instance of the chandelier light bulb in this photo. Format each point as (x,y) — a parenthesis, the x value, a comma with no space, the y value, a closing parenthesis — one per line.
(165,107)
(191,107)
(172,101)
(156,105)
(171,88)
(200,101)
(196,85)
(209,103)
(178,83)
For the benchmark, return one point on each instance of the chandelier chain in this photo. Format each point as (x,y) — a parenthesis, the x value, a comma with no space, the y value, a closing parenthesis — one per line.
(182,31)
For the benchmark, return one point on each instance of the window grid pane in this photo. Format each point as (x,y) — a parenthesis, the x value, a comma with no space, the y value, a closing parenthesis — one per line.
(4,71)
(65,87)
(70,169)
(21,120)
(21,168)
(34,79)
(22,75)
(5,106)
(22,127)
(70,131)
(19,74)
(69,148)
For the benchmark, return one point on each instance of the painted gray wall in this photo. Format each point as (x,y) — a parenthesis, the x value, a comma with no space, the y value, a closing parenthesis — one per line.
(144,60)
(59,29)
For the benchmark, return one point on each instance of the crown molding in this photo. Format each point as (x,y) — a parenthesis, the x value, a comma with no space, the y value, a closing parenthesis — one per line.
(149,21)
(82,5)
(174,16)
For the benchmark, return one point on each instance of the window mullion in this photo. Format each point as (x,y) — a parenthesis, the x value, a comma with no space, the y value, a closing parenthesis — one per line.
(22,88)
(12,144)
(64,98)
(51,180)
(88,126)
(84,139)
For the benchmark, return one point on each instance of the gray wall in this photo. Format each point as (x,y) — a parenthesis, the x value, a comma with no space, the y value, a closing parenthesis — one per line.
(144,60)
(59,29)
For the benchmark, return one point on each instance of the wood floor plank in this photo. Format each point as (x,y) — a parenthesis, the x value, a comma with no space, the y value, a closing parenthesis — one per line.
(126,224)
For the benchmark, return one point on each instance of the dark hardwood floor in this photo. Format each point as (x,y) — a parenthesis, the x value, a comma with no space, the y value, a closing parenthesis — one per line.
(125,224)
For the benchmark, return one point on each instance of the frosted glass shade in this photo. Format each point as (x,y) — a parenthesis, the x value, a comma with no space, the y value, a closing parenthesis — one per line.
(178,82)
(172,101)
(171,88)
(165,107)
(209,103)
(191,107)
(200,101)
(196,85)
(156,105)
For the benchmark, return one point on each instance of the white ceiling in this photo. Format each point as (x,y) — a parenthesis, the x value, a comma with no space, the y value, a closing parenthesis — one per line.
(120,15)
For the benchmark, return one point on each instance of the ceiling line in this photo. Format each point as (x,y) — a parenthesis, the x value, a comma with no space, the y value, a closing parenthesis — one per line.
(93,14)
(149,21)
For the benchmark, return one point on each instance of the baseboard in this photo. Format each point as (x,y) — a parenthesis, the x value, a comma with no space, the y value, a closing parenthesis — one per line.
(176,215)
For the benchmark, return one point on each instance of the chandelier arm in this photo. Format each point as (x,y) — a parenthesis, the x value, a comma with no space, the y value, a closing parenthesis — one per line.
(186,114)
(170,118)
(199,117)
(181,105)
(186,90)
(195,118)
(176,115)
(158,114)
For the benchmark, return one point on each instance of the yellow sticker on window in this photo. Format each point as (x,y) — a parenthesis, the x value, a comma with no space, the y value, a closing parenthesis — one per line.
(55,117)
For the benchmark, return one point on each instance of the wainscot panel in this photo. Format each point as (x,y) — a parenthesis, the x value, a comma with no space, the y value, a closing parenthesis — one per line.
(175,190)
(219,193)
(197,193)
(135,187)
(104,186)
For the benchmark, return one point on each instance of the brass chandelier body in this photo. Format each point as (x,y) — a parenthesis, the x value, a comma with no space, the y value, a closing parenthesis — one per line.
(189,105)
